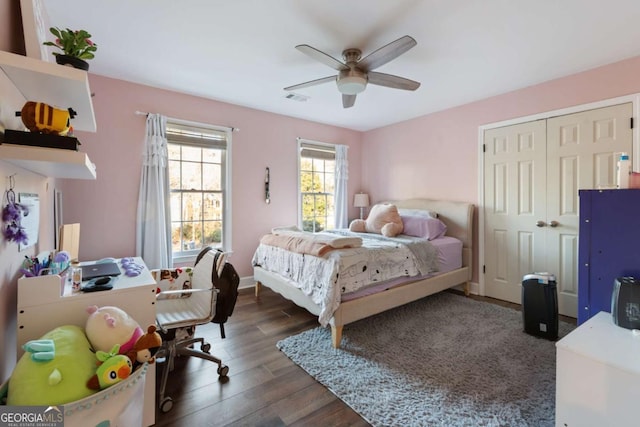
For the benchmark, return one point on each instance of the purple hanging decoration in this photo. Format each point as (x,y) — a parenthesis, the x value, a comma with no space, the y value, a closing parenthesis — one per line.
(12,214)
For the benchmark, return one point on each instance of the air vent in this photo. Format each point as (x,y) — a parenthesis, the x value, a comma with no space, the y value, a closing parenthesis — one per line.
(296,97)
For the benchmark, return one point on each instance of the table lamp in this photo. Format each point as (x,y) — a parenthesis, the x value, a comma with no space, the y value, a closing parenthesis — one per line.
(361,200)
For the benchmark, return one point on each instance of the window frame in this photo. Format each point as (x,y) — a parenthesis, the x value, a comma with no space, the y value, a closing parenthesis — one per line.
(189,256)
(319,145)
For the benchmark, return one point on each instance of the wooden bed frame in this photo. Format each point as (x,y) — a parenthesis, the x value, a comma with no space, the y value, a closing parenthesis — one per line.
(458,216)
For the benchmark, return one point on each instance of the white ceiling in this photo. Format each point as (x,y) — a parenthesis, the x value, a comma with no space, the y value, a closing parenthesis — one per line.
(243,51)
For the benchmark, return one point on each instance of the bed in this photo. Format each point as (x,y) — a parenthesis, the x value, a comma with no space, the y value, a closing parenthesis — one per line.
(457,216)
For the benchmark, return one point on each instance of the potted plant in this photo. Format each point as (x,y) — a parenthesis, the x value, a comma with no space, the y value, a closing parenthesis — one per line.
(75,45)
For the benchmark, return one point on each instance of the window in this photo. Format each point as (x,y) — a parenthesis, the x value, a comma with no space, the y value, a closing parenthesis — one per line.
(317,167)
(199,181)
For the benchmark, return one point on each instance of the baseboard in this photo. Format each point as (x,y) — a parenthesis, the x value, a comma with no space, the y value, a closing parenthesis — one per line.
(246,282)
(474,288)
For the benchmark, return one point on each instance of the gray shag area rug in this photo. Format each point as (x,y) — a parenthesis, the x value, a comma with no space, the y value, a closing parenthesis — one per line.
(445,360)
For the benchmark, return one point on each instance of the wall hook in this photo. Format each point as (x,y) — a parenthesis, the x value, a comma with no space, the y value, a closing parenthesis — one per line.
(11,179)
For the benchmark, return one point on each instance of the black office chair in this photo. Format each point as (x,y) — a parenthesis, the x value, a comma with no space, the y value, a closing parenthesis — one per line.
(183,308)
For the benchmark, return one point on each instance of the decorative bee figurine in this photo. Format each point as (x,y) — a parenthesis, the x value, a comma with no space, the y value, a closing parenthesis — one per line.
(43,118)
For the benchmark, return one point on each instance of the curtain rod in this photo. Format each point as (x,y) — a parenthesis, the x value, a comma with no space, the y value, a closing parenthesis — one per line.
(233,129)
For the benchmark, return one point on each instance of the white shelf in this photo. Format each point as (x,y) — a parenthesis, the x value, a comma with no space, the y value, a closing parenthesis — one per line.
(27,79)
(53,162)
(57,85)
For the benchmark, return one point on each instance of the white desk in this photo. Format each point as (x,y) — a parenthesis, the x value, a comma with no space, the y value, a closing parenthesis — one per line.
(46,302)
(598,375)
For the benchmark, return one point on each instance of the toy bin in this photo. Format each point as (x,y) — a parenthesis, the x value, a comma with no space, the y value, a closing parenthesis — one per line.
(117,406)
(47,301)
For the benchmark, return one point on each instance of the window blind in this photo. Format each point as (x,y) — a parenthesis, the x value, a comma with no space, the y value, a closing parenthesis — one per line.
(316,151)
(196,136)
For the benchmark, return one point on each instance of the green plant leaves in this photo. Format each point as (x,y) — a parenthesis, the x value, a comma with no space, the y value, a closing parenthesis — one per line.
(73,43)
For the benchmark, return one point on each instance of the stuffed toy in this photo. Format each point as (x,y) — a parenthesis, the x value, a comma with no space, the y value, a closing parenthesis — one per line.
(145,349)
(108,326)
(53,370)
(40,117)
(383,219)
(112,368)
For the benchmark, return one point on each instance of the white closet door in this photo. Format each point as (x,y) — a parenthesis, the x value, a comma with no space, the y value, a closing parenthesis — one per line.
(532,174)
(514,199)
(582,150)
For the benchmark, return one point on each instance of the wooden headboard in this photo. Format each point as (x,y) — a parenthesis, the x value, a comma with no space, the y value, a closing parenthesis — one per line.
(458,216)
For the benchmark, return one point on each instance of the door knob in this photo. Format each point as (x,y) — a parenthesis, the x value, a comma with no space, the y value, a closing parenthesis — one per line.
(554,224)
(540,224)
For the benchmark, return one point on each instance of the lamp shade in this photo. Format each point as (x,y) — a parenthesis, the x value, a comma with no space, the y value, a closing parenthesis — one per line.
(361,200)
(351,85)
(351,81)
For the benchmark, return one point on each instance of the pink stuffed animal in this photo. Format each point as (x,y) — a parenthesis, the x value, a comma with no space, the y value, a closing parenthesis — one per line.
(108,326)
(383,219)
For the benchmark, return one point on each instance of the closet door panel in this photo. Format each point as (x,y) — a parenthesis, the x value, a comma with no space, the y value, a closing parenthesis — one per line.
(514,201)
(532,174)
(581,153)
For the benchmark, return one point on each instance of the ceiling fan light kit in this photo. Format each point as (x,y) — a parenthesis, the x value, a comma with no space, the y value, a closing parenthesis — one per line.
(351,82)
(355,73)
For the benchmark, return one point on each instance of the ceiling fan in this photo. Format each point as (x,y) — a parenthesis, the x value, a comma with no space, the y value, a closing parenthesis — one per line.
(355,72)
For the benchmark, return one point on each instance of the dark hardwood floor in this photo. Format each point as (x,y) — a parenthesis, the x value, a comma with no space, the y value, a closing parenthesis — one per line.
(264,388)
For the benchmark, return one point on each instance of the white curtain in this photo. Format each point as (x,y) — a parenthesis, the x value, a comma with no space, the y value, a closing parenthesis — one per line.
(342,178)
(153,229)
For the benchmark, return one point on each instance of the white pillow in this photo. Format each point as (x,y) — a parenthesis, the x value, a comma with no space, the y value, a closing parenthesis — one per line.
(418,212)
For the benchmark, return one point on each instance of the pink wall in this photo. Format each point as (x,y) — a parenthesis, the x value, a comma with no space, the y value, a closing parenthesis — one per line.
(106,207)
(436,155)
(11,38)
(10,257)
(430,156)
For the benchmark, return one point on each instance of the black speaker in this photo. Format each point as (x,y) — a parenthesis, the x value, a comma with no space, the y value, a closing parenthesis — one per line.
(540,305)
(625,302)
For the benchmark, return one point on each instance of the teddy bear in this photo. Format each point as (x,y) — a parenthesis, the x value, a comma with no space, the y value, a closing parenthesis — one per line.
(145,349)
(383,219)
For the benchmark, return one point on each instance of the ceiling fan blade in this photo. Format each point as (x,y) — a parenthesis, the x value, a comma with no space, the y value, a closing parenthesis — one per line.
(311,83)
(389,80)
(322,57)
(386,53)
(348,100)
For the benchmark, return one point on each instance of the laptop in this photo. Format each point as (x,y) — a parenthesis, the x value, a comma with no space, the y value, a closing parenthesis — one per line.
(91,271)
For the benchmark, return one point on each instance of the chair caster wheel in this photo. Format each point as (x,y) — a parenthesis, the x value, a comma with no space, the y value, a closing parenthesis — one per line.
(206,347)
(166,404)
(223,370)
